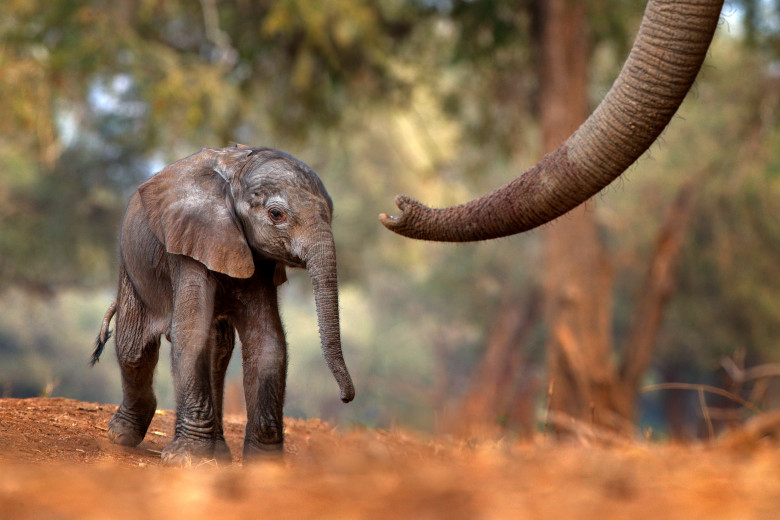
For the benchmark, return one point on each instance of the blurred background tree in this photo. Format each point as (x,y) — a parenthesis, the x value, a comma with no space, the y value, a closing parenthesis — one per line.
(442,100)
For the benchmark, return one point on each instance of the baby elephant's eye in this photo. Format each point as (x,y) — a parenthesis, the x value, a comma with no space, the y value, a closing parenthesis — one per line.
(277,215)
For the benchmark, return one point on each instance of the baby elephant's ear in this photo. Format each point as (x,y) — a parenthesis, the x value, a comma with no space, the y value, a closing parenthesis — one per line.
(190,210)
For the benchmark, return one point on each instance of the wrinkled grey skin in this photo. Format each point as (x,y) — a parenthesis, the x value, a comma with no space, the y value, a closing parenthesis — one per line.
(203,247)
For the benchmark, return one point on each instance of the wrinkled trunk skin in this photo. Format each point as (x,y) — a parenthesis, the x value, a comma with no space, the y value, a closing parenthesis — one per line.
(321,264)
(668,52)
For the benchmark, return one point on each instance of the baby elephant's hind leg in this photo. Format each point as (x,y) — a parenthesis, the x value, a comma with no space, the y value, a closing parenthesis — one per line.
(137,350)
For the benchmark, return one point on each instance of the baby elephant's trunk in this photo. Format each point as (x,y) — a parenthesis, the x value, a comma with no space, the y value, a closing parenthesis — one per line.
(321,263)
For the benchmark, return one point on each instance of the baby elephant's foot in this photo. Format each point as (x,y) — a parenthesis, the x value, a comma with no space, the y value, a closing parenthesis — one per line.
(128,428)
(256,452)
(184,452)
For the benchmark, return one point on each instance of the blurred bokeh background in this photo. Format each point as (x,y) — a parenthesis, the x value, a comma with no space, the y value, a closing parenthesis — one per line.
(441,100)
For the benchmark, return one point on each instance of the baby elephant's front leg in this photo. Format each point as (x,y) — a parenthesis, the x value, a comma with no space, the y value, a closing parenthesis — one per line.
(264,352)
(196,425)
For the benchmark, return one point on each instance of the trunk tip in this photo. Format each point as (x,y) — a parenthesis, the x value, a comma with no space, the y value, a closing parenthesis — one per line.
(347,393)
(398,224)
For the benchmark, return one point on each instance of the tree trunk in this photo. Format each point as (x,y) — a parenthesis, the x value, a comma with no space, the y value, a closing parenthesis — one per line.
(578,279)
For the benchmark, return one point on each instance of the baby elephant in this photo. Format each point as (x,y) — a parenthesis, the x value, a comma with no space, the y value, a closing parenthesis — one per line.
(203,246)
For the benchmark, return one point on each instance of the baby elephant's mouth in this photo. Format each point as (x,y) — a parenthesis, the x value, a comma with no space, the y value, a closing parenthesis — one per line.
(297,263)
(282,252)
(288,261)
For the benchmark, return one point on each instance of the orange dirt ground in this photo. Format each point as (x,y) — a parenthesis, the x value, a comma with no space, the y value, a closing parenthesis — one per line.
(55,462)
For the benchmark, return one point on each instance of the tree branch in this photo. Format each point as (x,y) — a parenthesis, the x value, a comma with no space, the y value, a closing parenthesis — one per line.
(657,288)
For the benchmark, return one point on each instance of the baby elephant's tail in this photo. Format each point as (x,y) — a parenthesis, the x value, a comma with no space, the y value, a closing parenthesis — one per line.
(102,338)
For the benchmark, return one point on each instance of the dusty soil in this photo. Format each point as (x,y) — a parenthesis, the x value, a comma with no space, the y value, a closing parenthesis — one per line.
(55,462)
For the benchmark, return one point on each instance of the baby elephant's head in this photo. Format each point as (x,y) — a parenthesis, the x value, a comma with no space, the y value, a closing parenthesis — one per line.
(283,208)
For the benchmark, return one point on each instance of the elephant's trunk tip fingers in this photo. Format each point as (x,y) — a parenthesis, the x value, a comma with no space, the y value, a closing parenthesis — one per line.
(405,204)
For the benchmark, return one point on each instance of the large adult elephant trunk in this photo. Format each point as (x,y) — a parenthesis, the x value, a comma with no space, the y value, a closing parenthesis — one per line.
(321,264)
(668,52)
